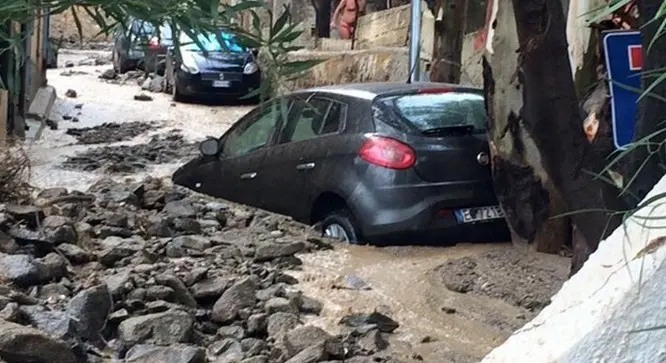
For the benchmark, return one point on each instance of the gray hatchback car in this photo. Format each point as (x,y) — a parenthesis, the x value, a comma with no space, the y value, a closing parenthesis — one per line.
(367,162)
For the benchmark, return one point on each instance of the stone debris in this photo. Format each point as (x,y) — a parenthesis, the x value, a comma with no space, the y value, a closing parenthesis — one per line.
(161,149)
(71,93)
(142,97)
(150,272)
(110,132)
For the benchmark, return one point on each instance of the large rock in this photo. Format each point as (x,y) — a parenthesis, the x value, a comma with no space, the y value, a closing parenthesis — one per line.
(226,351)
(279,324)
(180,208)
(116,248)
(303,337)
(56,323)
(211,288)
(198,243)
(89,309)
(120,283)
(23,270)
(274,250)
(59,229)
(180,292)
(21,344)
(311,354)
(19,269)
(176,353)
(239,296)
(165,328)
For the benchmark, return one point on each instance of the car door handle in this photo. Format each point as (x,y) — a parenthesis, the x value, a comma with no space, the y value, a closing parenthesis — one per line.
(247,176)
(306,166)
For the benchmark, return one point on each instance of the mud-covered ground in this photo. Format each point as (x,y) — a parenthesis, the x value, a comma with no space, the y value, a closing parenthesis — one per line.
(453,304)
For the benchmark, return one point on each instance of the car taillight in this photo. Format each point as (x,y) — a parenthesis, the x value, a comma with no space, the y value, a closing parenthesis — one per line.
(435,90)
(387,152)
(154,42)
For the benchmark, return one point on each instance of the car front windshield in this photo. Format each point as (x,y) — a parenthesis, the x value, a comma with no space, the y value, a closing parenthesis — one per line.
(211,43)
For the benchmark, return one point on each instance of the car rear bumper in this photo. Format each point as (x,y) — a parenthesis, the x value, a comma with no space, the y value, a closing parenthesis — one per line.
(424,209)
(194,85)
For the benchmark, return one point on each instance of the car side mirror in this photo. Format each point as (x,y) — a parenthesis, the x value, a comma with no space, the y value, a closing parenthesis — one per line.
(210,147)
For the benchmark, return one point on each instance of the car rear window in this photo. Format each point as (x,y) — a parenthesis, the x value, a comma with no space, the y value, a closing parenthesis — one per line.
(431,111)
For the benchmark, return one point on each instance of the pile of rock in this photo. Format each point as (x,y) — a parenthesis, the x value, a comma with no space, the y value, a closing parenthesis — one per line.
(111,132)
(149,272)
(153,83)
(161,149)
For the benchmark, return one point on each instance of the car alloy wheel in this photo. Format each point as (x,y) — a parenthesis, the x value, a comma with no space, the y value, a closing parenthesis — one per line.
(336,231)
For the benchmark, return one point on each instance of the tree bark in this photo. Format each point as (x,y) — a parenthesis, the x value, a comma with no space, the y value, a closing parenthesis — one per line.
(525,191)
(552,118)
(651,109)
(449,33)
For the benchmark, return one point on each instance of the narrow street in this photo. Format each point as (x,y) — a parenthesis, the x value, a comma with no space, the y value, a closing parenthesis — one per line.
(453,304)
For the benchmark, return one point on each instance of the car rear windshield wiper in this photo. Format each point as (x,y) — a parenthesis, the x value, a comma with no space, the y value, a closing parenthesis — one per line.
(445,130)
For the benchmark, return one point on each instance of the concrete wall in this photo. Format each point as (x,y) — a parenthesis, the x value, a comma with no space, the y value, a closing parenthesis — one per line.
(609,310)
(364,65)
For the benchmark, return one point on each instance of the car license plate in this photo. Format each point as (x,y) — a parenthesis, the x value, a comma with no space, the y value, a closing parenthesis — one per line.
(221,84)
(471,215)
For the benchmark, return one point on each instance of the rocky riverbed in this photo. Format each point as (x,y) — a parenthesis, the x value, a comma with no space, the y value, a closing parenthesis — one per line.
(148,272)
(160,149)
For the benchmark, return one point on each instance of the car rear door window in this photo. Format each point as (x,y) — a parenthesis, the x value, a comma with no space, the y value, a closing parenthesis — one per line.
(313,117)
(440,111)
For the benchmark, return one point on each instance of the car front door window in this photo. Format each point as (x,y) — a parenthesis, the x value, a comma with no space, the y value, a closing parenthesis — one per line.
(253,134)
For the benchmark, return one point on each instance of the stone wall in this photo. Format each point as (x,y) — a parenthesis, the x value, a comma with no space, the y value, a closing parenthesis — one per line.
(390,28)
(360,65)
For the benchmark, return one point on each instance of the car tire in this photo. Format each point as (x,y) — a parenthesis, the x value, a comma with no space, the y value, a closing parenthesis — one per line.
(341,221)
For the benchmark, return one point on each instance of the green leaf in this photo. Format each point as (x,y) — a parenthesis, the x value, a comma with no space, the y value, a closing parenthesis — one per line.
(603,12)
(288,37)
(658,34)
(256,22)
(279,24)
(296,67)
(77,22)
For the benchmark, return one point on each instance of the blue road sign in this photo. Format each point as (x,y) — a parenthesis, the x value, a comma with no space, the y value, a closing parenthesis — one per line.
(624,61)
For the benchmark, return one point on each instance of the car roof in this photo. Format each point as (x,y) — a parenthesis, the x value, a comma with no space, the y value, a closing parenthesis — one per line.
(371,90)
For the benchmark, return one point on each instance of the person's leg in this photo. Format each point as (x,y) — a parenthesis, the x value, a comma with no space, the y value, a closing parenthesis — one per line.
(345,30)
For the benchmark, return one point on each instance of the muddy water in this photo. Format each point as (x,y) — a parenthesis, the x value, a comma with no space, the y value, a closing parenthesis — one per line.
(404,282)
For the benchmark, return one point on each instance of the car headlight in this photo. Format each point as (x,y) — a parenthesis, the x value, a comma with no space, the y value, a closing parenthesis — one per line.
(189,64)
(192,69)
(250,68)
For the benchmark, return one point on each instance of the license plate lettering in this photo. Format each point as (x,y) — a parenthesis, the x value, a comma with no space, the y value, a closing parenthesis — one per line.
(480,214)
(221,84)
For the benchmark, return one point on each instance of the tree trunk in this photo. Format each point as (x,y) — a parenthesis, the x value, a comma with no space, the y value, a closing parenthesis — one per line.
(651,109)
(551,116)
(524,190)
(449,33)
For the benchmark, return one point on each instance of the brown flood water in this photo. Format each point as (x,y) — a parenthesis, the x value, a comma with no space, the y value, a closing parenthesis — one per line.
(409,284)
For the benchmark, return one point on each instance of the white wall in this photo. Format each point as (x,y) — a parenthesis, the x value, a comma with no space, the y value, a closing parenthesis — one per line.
(592,317)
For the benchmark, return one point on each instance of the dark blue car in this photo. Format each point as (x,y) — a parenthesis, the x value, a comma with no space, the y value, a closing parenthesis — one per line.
(217,66)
